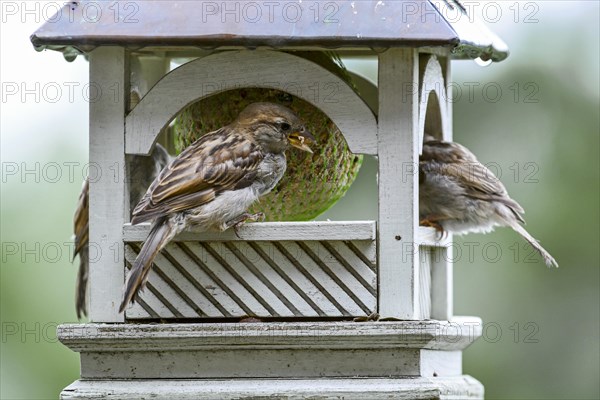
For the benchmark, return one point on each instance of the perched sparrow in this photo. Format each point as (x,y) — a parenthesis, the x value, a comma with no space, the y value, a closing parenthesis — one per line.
(330,172)
(214,181)
(459,194)
(142,171)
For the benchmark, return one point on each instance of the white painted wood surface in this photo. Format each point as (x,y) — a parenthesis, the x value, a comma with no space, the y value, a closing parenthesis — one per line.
(265,363)
(449,102)
(442,256)
(440,363)
(261,68)
(109,79)
(436,274)
(432,100)
(269,231)
(146,71)
(442,302)
(263,350)
(434,335)
(398,184)
(263,279)
(425,282)
(308,274)
(446,388)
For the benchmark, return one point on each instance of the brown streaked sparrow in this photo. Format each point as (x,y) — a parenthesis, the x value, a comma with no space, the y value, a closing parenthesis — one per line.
(459,194)
(213,182)
(330,173)
(142,171)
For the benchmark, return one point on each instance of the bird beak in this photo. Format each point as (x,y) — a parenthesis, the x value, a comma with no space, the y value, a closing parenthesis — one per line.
(302,140)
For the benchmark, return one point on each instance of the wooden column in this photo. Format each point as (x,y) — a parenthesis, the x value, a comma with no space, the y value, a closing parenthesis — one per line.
(442,293)
(109,90)
(441,283)
(435,118)
(398,184)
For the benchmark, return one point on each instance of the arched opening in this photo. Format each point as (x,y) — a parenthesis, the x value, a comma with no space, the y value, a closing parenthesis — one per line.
(219,72)
(433,117)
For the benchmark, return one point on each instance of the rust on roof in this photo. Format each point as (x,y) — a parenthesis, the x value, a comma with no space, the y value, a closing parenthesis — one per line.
(80,26)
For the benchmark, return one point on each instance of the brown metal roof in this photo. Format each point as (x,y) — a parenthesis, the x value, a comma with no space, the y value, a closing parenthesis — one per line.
(362,24)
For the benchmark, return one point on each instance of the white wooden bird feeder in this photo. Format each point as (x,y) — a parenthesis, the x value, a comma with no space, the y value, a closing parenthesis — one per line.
(306,281)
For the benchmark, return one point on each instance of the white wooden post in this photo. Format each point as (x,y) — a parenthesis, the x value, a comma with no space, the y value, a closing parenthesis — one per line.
(442,293)
(398,184)
(435,117)
(109,89)
(448,101)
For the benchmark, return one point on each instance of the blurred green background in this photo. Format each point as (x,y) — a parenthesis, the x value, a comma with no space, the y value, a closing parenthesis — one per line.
(541,337)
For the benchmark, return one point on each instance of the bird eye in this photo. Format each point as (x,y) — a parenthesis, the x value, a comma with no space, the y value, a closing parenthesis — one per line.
(285,126)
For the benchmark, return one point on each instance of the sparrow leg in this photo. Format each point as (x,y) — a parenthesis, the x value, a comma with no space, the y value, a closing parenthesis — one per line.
(432,222)
(241,219)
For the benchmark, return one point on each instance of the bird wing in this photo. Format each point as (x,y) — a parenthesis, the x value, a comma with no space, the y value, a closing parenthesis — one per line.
(81,219)
(459,163)
(219,161)
(82,237)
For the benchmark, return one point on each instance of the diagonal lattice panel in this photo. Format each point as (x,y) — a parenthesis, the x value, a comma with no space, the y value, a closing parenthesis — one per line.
(282,279)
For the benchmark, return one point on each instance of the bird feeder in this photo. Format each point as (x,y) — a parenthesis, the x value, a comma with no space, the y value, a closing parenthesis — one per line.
(304,281)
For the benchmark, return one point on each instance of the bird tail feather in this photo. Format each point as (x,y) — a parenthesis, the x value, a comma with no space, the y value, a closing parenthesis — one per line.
(82,281)
(548,259)
(160,234)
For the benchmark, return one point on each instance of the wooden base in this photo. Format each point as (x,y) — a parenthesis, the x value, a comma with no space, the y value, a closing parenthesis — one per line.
(460,387)
(406,359)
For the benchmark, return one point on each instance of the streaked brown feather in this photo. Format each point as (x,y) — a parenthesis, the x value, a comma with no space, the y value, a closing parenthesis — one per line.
(200,173)
(81,230)
(468,197)
(458,162)
(142,172)
(80,220)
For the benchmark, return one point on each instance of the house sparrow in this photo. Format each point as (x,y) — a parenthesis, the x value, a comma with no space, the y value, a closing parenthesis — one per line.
(142,171)
(459,194)
(214,181)
(330,172)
